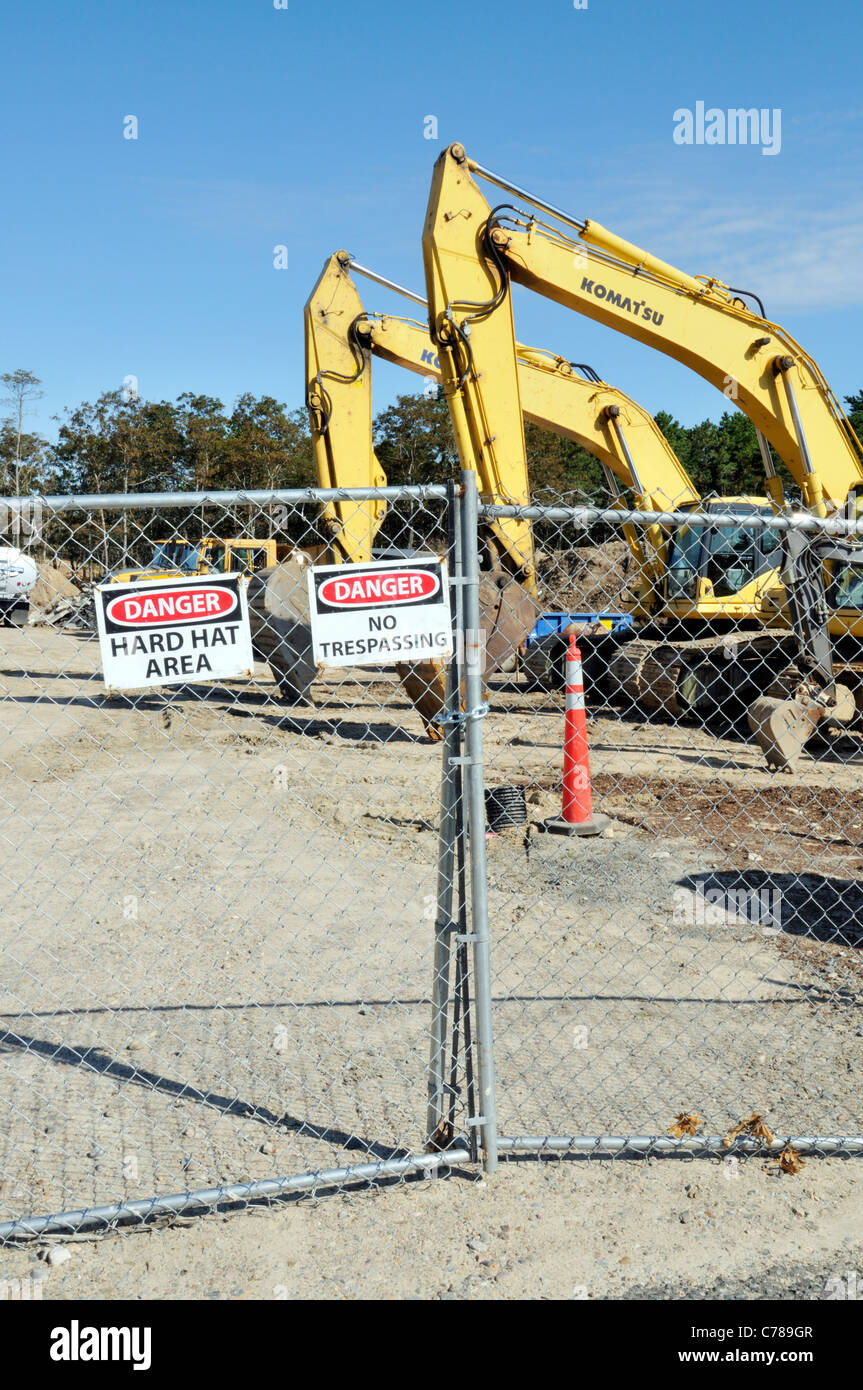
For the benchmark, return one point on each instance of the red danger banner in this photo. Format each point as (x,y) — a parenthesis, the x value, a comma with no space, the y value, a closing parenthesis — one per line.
(364,590)
(170,606)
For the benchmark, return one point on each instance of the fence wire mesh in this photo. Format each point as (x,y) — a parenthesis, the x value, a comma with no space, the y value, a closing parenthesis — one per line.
(700,957)
(219,899)
(240,917)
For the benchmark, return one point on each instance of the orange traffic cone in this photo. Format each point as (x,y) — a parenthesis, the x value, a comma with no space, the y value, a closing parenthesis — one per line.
(577,816)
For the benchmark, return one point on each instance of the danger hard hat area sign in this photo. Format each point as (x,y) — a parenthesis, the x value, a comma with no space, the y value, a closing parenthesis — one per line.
(173,631)
(381,613)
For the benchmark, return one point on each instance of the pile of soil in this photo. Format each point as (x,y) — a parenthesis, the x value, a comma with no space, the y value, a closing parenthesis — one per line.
(56,580)
(584,577)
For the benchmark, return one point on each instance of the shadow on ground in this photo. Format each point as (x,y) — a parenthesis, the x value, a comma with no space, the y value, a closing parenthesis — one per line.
(812,905)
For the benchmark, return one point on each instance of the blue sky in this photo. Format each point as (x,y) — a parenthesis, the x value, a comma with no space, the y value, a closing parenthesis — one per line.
(304,127)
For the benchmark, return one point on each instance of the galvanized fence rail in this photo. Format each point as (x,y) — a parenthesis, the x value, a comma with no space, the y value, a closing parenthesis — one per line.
(265,937)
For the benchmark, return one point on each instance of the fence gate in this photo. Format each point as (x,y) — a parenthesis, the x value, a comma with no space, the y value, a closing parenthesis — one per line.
(225,964)
(690,977)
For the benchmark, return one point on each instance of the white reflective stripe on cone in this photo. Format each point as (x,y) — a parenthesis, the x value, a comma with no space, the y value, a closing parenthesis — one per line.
(575,699)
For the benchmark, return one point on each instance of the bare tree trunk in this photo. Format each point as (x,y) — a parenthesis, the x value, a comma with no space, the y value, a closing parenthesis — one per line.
(18,447)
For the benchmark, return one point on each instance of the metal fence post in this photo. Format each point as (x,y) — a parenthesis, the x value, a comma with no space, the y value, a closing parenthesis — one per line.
(451,791)
(475,780)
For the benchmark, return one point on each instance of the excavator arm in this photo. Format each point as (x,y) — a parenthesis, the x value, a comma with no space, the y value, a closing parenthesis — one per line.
(339,342)
(340,339)
(553,394)
(339,400)
(472,250)
(577,404)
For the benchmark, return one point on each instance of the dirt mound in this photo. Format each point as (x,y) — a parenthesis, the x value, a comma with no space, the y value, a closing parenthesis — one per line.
(584,577)
(55,581)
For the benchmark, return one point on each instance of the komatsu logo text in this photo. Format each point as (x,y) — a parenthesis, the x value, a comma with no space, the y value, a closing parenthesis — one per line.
(637,307)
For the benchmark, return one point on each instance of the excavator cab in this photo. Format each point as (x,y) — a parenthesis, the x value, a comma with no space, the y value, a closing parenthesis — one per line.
(846,591)
(845,586)
(176,556)
(720,562)
(246,558)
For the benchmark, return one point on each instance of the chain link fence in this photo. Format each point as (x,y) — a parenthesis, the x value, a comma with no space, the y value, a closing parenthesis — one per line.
(219,898)
(258,938)
(696,964)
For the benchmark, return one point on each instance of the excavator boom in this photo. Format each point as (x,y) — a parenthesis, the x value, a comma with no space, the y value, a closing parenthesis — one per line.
(339,399)
(471,249)
(340,339)
(552,393)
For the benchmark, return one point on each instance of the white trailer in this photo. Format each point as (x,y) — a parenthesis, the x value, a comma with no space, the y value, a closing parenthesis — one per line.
(18,574)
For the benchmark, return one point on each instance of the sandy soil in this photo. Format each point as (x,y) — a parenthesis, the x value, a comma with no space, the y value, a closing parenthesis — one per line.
(217,923)
(55,581)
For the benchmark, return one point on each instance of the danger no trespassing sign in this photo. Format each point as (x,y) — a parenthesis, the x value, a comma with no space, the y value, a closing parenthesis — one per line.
(173,631)
(379,614)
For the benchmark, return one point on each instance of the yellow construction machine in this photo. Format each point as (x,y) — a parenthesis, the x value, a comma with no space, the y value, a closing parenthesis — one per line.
(178,558)
(734,580)
(472,252)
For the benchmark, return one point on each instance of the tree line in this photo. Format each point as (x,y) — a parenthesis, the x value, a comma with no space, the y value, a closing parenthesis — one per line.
(121,443)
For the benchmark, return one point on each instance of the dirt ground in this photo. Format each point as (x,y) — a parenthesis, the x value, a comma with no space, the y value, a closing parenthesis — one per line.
(55,581)
(217,962)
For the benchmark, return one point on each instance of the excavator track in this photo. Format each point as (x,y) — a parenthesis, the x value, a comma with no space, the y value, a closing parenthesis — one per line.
(723,675)
(704,674)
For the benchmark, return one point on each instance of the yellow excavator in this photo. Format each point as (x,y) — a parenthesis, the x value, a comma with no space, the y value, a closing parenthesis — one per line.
(178,557)
(472,252)
(339,398)
(341,336)
(567,398)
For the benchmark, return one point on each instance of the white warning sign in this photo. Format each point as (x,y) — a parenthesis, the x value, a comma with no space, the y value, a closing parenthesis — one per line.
(380,613)
(173,631)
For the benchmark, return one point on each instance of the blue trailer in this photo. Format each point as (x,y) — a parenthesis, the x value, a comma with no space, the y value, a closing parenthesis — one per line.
(553,624)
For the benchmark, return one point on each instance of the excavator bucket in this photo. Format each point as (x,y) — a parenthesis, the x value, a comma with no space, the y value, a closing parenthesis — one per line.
(507,613)
(281,635)
(425,683)
(782,727)
(279,622)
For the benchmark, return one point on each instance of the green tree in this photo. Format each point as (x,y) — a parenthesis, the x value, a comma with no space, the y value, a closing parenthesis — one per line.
(721,458)
(414,441)
(855,415)
(203,426)
(676,434)
(854,403)
(266,446)
(23,461)
(116,445)
(22,388)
